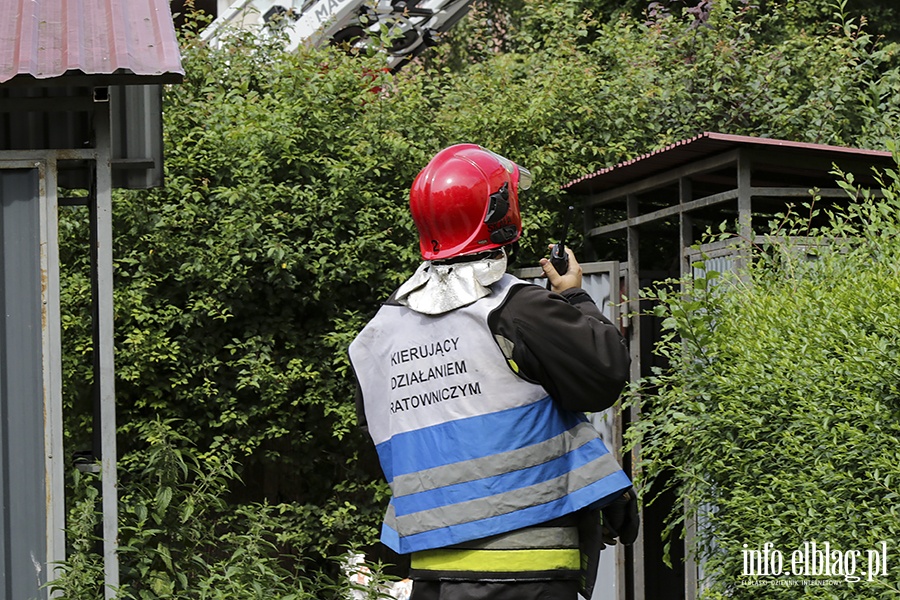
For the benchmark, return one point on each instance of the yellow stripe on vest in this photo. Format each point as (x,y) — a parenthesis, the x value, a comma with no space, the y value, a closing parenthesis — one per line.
(497,560)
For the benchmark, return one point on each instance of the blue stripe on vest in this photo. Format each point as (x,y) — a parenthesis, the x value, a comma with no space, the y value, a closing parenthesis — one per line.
(599,492)
(473,437)
(490,486)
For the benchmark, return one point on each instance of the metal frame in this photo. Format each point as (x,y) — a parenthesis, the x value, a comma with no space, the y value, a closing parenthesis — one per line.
(100,204)
(104,361)
(61,117)
(52,367)
(53,483)
(318,22)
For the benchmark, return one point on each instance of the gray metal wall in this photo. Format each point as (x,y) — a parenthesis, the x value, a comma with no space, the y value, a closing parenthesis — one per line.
(23,495)
(45,118)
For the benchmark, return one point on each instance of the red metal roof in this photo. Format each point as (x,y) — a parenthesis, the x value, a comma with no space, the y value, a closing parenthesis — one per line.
(701,146)
(131,41)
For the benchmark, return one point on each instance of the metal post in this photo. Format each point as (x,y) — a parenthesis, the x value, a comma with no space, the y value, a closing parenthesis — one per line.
(615,295)
(744,197)
(101,224)
(745,201)
(685,240)
(52,367)
(686,224)
(590,253)
(634,307)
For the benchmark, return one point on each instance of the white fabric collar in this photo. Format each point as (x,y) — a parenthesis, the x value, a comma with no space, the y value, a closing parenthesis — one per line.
(437,288)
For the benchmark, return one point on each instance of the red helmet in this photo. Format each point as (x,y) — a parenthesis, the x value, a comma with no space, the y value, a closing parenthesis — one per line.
(466,200)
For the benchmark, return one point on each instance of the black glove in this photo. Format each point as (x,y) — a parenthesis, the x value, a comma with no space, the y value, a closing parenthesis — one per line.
(621,520)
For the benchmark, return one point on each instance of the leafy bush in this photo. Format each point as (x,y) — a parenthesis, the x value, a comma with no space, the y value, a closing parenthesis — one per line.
(181,539)
(777,419)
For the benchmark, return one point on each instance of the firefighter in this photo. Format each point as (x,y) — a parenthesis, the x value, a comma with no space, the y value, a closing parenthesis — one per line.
(473,384)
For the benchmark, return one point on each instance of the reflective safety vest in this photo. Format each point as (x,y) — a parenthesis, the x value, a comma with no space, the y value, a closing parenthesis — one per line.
(470,449)
(547,552)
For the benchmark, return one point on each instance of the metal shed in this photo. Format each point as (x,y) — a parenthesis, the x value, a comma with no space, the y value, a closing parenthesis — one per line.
(648,212)
(79,109)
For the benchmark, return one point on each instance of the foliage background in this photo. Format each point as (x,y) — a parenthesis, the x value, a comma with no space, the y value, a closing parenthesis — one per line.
(283,224)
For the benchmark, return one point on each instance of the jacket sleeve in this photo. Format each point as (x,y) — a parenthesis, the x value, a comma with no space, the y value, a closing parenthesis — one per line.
(563,342)
(360,407)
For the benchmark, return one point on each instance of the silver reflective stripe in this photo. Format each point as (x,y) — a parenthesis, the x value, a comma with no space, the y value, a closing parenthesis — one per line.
(506,346)
(526,539)
(497,464)
(504,503)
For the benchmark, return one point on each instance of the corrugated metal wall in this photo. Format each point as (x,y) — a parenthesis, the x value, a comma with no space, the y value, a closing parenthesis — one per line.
(23,518)
(60,118)
(39,118)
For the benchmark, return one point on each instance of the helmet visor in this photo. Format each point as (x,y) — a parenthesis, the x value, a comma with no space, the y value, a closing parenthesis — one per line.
(525,177)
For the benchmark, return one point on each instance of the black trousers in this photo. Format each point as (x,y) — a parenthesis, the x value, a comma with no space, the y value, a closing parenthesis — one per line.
(490,590)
